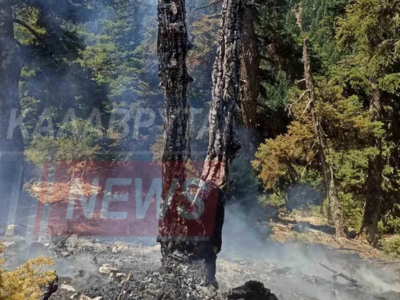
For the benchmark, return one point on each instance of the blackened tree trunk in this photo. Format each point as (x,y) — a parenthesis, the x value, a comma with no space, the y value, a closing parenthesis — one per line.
(251,79)
(323,148)
(172,48)
(11,143)
(374,180)
(223,143)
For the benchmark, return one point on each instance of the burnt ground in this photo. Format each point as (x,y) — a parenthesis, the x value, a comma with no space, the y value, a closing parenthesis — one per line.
(90,268)
(285,257)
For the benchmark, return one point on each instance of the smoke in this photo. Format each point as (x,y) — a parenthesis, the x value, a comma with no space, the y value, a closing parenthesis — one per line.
(291,268)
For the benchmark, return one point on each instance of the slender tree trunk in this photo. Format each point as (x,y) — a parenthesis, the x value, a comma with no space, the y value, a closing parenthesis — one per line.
(323,149)
(251,60)
(223,144)
(374,180)
(172,48)
(10,68)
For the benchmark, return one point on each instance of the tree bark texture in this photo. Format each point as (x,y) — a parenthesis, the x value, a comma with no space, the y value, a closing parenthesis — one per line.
(323,149)
(223,144)
(251,60)
(172,48)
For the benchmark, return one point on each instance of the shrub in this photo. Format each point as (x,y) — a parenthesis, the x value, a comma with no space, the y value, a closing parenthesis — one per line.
(26,282)
(391,246)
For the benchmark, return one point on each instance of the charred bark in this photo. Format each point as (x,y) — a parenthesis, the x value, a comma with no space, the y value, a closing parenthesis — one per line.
(172,48)
(323,148)
(374,179)
(223,144)
(251,60)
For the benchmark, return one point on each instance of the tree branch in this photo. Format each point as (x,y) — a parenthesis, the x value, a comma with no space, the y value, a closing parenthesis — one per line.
(37,36)
(290,106)
(305,110)
(214,16)
(29,28)
(339,274)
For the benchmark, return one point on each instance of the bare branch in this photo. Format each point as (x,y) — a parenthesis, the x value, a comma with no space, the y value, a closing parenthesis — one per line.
(338,274)
(290,106)
(216,16)
(300,81)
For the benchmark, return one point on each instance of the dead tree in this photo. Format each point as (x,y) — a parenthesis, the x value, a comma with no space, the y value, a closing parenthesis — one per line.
(323,148)
(172,51)
(173,46)
(223,144)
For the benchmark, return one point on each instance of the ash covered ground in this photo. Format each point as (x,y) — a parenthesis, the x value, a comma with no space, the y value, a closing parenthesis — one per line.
(99,268)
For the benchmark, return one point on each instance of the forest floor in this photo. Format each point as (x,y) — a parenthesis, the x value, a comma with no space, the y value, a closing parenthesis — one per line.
(316,230)
(299,260)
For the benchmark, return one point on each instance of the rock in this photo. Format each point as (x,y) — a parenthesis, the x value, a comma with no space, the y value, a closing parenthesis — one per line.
(157,247)
(65,254)
(117,276)
(251,290)
(119,248)
(83,297)
(74,296)
(10,230)
(77,243)
(9,245)
(107,269)
(68,288)
(97,247)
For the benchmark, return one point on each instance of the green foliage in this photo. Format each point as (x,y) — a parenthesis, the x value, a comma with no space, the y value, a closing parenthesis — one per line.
(276,199)
(27,281)
(391,246)
(354,54)
(244,185)
(77,141)
(103,54)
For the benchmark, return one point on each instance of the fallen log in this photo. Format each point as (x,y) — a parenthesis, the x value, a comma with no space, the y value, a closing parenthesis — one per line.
(339,274)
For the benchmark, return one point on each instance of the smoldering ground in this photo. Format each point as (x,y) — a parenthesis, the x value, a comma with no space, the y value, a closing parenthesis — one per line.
(291,271)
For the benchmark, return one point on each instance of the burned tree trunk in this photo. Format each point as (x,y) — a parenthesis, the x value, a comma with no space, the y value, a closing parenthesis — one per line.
(374,180)
(11,142)
(323,150)
(172,48)
(223,144)
(251,60)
